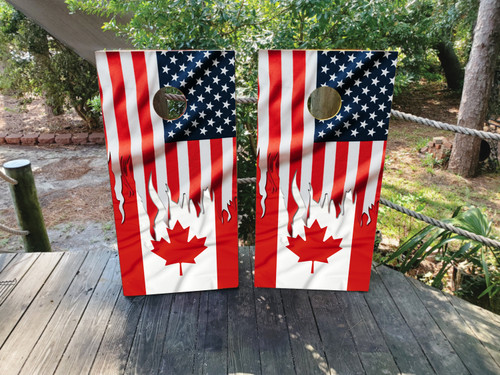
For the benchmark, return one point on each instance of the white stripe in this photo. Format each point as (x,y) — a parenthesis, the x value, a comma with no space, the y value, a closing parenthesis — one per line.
(158,130)
(309,123)
(328,172)
(351,170)
(205,168)
(286,121)
(227,173)
(375,170)
(263,124)
(183,158)
(108,112)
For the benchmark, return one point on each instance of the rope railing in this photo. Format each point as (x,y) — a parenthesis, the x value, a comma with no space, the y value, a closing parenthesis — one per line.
(16,232)
(429,220)
(10,180)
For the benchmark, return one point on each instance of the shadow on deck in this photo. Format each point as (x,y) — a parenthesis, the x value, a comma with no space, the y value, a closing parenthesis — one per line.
(64,313)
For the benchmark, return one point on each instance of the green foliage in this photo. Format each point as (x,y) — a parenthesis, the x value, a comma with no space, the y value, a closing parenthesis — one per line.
(35,63)
(453,250)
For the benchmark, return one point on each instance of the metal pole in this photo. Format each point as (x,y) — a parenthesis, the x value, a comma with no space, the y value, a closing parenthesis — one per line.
(29,213)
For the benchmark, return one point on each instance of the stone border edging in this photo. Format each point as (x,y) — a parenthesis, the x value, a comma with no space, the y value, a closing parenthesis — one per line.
(96,138)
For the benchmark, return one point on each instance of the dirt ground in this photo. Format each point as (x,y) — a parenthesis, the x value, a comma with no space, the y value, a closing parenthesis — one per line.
(73,183)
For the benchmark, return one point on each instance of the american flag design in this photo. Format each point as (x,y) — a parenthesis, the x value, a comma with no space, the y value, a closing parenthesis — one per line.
(173,182)
(319,181)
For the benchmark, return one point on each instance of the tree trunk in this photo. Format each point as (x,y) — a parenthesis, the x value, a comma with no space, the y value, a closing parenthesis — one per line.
(478,82)
(451,66)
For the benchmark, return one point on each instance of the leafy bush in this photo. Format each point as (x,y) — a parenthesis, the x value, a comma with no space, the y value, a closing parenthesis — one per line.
(453,250)
(35,63)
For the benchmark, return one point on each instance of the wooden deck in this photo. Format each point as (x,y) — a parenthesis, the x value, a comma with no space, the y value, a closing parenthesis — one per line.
(64,313)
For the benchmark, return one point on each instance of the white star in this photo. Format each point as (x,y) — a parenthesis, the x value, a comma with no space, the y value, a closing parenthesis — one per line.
(354,132)
(227,120)
(348,91)
(219,130)
(357,82)
(173,59)
(387,54)
(231,61)
(395,62)
(182,67)
(198,64)
(380,124)
(210,105)
(223,53)
(193,107)
(183,83)
(371,132)
(384,72)
(165,69)
(381,107)
(367,73)
(347,124)
(190,74)
(232,78)
(364,107)
(211,122)
(201,98)
(190,57)
(373,98)
(175,77)
(338,133)
(363,124)
(369,54)
(194,124)
(199,81)
(208,89)
(202,114)
(329,126)
(215,62)
(178,125)
(393,80)
(216,80)
(171,134)
(187,132)
(372,116)
(383,89)
(185,116)
(342,67)
(351,58)
(340,84)
(365,90)
(375,81)
(333,77)
(207,72)
(359,64)
(347,108)
(355,116)
(356,99)
(338,117)
(223,70)
(217,97)
(224,87)
(321,134)
(376,63)
(218,113)
(203,131)
(164,53)
(234,128)
(350,74)
(225,104)
(324,69)
(333,59)
(191,91)
(206,54)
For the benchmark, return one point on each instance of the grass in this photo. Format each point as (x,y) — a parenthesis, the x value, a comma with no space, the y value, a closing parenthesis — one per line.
(418,183)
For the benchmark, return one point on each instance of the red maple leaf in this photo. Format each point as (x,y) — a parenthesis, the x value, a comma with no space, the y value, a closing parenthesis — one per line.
(313,248)
(179,249)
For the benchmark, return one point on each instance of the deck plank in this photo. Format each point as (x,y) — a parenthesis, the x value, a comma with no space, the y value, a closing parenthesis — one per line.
(243,342)
(53,342)
(180,340)
(83,346)
(147,346)
(434,344)
(115,347)
(29,283)
(483,323)
(36,317)
(307,348)
(5,259)
(398,336)
(341,352)
(274,342)
(470,350)
(370,343)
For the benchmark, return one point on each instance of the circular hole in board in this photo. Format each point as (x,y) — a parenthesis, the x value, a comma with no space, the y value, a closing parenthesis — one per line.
(324,103)
(169,108)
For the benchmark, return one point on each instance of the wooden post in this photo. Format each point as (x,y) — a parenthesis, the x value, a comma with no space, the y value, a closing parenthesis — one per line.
(29,213)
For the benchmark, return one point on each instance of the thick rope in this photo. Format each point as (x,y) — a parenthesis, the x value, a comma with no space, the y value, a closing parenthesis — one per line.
(14,231)
(445,126)
(429,220)
(10,180)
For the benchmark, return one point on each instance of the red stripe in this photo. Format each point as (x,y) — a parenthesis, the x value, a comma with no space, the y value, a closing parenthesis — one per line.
(363,237)
(194,173)
(146,126)
(172,162)
(130,245)
(318,164)
(266,231)
(341,156)
(226,228)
